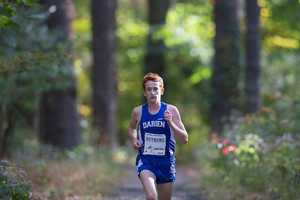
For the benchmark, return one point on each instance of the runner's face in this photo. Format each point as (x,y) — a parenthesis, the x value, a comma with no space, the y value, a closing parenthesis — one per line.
(153,91)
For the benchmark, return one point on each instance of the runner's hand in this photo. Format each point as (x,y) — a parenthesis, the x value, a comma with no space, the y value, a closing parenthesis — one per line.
(168,116)
(135,143)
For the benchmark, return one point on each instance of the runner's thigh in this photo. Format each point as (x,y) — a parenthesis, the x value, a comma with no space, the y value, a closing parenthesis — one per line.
(148,181)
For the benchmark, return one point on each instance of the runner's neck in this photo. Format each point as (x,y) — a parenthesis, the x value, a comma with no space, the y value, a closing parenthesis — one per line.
(154,108)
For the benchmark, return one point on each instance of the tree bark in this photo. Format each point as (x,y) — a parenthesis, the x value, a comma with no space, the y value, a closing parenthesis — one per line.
(252,86)
(226,66)
(7,124)
(59,120)
(104,72)
(155,52)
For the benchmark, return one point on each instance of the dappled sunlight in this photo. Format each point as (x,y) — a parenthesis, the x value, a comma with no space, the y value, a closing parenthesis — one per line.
(81,25)
(85,110)
(120,156)
(282,42)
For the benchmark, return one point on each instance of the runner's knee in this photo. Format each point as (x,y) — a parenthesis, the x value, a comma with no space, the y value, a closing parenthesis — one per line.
(151,196)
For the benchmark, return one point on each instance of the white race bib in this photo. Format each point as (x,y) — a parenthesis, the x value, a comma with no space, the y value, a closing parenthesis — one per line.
(155,144)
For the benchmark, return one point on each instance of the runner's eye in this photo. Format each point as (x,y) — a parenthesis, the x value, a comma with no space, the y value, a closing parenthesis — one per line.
(155,89)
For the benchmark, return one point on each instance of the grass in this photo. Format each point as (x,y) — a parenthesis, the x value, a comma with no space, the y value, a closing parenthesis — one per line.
(61,179)
(85,173)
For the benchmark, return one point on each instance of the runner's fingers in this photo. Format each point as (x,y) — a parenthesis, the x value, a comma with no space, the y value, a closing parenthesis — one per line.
(168,115)
(137,145)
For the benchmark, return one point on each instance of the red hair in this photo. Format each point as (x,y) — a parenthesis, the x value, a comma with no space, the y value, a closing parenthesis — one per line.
(153,77)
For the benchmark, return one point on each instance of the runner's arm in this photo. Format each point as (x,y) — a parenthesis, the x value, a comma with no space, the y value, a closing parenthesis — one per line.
(173,118)
(132,132)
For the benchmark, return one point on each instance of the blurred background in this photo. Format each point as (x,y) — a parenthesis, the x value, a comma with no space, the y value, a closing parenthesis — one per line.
(71,72)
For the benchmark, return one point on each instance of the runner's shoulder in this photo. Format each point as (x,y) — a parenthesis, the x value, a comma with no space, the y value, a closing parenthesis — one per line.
(136,112)
(172,108)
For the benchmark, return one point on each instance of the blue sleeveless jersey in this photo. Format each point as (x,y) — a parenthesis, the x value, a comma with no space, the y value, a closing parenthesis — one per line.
(155,135)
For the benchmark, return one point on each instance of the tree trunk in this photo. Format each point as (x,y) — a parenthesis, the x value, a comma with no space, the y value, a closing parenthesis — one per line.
(59,120)
(104,72)
(7,123)
(252,86)
(155,52)
(226,69)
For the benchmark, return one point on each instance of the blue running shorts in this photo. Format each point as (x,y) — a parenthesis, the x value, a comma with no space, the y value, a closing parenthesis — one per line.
(163,169)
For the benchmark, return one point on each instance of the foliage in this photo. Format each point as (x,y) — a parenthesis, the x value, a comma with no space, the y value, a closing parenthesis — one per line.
(280,32)
(198,133)
(188,35)
(9,9)
(264,166)
(188,53)
(131,34)
(32,61)
(84,172)
(188,60)
(280,94)
(14,183)
(29,63)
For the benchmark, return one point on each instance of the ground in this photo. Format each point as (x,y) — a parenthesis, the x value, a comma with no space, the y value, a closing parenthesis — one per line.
(186,186)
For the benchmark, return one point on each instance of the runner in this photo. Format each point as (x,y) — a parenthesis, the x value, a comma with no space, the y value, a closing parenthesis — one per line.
(153,128)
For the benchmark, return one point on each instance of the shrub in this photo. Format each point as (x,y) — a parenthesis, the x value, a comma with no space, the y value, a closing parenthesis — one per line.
(14,184)
(270,170)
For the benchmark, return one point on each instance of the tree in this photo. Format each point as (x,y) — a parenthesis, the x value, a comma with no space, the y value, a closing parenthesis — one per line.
(103,73)
(59,120)
(9,11)
(155,53)
(252,86)
(226,66)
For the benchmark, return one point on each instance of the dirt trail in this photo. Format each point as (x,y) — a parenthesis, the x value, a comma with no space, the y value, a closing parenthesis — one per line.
(186,186)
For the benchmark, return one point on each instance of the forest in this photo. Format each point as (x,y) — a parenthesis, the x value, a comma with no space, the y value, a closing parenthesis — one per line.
(71,71)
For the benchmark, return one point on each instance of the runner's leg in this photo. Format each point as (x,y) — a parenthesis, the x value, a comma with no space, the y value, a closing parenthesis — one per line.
(164,191)
(148,181)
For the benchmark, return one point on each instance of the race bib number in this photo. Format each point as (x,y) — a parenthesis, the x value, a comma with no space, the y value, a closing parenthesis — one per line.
(155,144)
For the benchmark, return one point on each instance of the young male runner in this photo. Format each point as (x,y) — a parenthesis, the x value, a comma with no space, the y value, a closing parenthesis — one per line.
(153,128)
